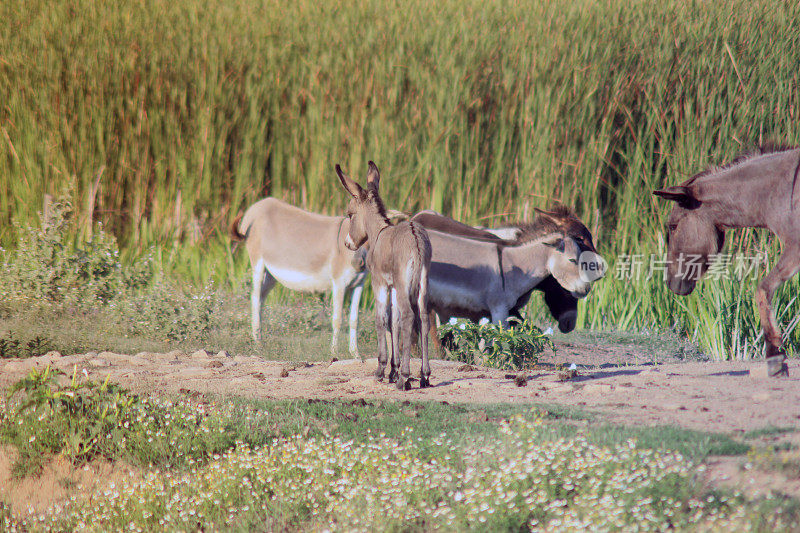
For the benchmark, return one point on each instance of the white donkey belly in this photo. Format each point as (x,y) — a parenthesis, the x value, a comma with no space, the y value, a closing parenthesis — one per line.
(302,281)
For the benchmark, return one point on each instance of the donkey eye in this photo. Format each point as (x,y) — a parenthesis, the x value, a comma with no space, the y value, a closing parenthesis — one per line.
(573,261)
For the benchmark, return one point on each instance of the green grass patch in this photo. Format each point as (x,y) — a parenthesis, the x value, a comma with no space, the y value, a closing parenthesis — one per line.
(394,465)
(507,481)
(769,431)
(695,445)
(48,413)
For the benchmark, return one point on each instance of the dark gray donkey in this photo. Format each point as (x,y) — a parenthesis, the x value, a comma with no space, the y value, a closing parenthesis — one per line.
(399,259)
(758,190)
(563,306)
(476,276)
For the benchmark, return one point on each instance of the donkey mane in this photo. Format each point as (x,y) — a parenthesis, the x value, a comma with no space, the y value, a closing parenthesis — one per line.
(543,225)
(373,196)
(765,149)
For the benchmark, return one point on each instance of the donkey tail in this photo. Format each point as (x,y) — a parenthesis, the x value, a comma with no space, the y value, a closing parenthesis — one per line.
(234,231)
(422,260)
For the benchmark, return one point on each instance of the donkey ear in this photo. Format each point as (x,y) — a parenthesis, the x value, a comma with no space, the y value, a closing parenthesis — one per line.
(681,194)
(373,177)
(349,185)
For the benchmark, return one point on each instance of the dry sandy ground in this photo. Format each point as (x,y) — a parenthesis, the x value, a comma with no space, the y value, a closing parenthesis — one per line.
(726,397)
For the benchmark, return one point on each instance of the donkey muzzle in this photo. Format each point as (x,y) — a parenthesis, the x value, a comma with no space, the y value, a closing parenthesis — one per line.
(359,261)
(681,287)
(567,320)
(348,242)
(581,290)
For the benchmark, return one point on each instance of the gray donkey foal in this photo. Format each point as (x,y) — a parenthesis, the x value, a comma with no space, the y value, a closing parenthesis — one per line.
(399,259)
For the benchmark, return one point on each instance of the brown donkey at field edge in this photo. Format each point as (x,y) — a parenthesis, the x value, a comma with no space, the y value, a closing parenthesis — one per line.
(759,190)
(399,259)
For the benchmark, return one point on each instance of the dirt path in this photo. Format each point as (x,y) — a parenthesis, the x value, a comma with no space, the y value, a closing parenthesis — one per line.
(721,397)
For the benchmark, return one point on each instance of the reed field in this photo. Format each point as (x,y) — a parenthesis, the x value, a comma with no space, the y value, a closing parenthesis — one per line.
(164,119)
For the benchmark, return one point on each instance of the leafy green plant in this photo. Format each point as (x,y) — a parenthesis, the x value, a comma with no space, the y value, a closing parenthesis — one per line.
(9,347)
(38,345)
(49,267)
(492,345)
(13,347)
(78,419)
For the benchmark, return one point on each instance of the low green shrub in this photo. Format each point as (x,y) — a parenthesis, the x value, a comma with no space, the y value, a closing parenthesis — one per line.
(11,346)
(492,345)
(50,272)
(167,311)
(48,267)
(79,419)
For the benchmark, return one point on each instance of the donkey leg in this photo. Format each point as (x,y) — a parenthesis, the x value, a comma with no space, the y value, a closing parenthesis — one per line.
(395,340)
(355,302)
(406,333)
(433,335)
(500,316)
(263,282)
(424,318)
(337,301)
(786,267)
(382,324)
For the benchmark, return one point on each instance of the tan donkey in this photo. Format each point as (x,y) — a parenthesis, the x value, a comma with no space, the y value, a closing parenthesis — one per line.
(304,252)
(399,259)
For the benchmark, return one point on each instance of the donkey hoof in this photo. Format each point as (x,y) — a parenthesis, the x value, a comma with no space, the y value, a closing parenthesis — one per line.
(393,375)
(403,384)
(424,383)
(776,366)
